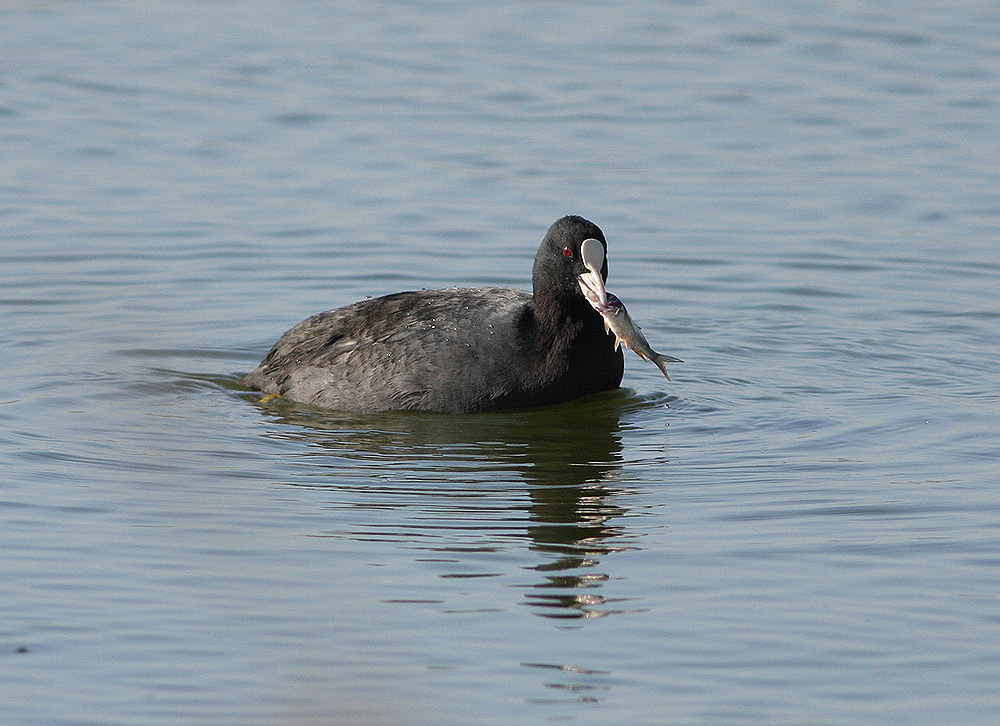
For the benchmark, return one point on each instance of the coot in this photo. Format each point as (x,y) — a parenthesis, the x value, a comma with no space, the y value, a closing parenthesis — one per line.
(459,350)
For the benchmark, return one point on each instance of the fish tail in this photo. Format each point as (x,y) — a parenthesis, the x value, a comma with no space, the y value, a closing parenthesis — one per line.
(659,360)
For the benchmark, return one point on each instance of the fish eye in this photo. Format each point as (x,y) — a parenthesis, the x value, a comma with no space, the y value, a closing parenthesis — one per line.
(567,251)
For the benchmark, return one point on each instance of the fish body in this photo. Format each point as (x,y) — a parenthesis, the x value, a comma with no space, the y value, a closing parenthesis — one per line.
(627,333)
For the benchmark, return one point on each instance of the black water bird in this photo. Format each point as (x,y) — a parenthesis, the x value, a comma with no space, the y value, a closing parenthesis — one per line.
(459,350)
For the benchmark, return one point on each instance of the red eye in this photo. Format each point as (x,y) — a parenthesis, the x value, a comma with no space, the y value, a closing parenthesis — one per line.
(567,251)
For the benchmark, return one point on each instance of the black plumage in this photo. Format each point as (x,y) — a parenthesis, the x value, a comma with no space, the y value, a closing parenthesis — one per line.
(458,350)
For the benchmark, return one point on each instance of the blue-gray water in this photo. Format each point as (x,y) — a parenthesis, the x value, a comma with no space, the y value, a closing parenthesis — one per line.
(802,201)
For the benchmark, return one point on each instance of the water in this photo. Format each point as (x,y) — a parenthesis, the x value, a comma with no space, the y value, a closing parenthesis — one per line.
(801,202)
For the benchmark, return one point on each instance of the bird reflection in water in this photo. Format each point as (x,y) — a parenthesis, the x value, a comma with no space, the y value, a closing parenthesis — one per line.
(567,455)
(569,513)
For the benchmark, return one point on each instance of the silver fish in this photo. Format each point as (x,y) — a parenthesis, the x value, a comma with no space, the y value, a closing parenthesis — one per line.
(627,333)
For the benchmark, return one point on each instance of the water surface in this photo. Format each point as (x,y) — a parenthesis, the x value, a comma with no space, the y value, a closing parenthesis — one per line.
(800,201)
